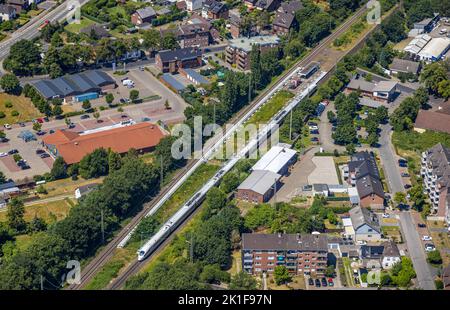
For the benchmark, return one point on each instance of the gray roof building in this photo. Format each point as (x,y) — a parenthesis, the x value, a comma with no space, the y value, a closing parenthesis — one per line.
(260,181)
(297,242)
(98,30)
(404,66)
(363,216)
(290,7)
(71,85)
(365,170)
(180,54)
(146,12)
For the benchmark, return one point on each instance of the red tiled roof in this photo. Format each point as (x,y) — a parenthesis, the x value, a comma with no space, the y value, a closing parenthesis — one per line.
(73,147)
(433,121)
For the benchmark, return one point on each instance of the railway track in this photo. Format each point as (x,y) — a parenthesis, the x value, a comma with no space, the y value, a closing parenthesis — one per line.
(135,266)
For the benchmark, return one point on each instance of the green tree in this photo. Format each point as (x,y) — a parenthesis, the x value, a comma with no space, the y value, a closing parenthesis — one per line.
(243,281)
(57,110)
(37,126)
(24,58)
(281,275)
(59,169)
(434,257)
(400,198)
(134,94)
(330,271)
(94,164)
(109,98)
(230,182)
(114,161)
(213,274)
(37,224)
(15,214)
(10,84)
(86,105)
(216,200)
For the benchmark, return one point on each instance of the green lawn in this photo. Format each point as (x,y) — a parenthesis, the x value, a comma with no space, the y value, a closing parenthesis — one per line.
(76,27)
(270,108)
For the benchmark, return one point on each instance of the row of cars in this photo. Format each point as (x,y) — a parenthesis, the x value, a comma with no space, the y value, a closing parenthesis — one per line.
(313,130)
(322,282)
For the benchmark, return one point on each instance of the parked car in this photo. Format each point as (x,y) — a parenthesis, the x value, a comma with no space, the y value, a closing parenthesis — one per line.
(124,116)
(310,281)
(317,283)
(314,139)
(324,282)
(145,119)
(40,133)
(39,151)
(314,132)
(22,124)
(4,139)
(429,247)
(421,225)
(71,125)
(427,238)
(44,155)
(330,282)
(386,216)
(313,128)
(406,186)
(13,151)
(25,167)
(3,154)
(84,116)
(51,131)
(312,124)
(405,174)
(7,126)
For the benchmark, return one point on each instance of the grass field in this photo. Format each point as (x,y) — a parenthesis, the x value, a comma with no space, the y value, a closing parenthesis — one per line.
(392,232)
(192,184)
(350,36)
(50,211)
(66,186)
(21,104)
(269,109)
(76,27)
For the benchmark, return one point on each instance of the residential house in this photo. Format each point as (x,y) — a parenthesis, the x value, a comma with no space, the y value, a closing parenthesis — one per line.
(96,30)
(365,224)
(290,7)
(191,35)
(304,254)
(213,9)
(171,61)
(404,66)
(236,25)
(380,255)
(19,5)
(267,5)
(7,12)
(238,50)
(259,186)
(193,5)
(283,23)
(364,175)
(141,16)
(435,171)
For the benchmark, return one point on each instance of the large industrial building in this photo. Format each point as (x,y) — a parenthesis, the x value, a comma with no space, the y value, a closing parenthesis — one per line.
(425,48)
(76,87)
(263,182)
(72,146)
(300,253)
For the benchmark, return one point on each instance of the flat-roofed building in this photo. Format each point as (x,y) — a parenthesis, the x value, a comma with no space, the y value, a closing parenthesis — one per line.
(299,253)
(277,159)
(72,146)
(259,186)
(383,91)
(238,50)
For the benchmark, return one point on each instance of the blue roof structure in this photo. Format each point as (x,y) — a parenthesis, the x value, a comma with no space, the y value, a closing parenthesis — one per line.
(169,79)
(196,76)
(71,85)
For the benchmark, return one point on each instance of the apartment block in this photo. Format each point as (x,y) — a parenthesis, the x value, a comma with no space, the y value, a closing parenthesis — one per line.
(435,171)
(300,253)
(238,51)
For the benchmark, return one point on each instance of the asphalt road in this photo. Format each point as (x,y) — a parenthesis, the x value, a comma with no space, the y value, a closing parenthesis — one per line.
(409,229)
(389,160)
(31,29)
(416,252)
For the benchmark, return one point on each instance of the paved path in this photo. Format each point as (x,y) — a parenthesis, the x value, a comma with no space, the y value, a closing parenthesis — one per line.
(389,160)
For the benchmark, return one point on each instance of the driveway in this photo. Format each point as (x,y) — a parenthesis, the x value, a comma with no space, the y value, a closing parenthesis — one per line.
(325,133)
(389,160)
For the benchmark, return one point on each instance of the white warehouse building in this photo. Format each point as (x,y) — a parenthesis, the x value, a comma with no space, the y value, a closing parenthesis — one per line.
(277,160)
